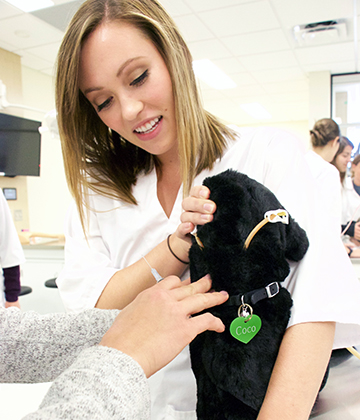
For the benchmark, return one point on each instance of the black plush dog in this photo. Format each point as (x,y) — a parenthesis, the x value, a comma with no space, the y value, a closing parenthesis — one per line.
(233,369)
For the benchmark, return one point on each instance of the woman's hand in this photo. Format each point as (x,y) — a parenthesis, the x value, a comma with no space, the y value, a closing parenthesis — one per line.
(357,231)
(127,283)
(157,325)
(198,210)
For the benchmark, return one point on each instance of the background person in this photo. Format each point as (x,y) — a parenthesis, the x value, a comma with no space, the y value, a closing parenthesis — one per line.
(325,141)
(350,201)
(354,251)
(355,173)
(342,157)
(11,256)
(135,139)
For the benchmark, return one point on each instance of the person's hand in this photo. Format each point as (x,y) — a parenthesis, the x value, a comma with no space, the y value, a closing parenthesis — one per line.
(11,304)
(357,231)
(198,210)
(355,253)
(155,327)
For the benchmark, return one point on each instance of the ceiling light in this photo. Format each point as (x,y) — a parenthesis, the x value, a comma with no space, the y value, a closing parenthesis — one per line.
(256,110)
(31,5)
(320,33)
(22,34)
(209,73)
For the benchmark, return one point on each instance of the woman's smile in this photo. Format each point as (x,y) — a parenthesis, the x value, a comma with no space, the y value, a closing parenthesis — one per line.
(149,129)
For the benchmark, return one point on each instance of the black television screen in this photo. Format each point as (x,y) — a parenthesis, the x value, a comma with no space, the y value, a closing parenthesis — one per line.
(20,143)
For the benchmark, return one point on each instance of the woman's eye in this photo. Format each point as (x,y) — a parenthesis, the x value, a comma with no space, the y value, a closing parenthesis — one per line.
(105,104)
(141,79)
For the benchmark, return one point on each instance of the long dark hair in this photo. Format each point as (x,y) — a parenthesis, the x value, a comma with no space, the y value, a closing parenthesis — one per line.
(344,141)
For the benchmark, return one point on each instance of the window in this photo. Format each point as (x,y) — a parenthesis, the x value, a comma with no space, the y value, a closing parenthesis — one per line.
(345,106)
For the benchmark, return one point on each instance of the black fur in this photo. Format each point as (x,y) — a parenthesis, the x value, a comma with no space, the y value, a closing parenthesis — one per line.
(232,377)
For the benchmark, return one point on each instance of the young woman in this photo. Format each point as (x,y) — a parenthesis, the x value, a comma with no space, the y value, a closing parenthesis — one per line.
(342,157)
(325,140)
(355,173)
(136,141)
(350,199)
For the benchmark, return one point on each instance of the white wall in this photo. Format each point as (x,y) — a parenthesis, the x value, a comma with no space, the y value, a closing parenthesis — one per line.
(320,96)
(319,106)
(37,92)
(299,128)
(48,195)
(42,201)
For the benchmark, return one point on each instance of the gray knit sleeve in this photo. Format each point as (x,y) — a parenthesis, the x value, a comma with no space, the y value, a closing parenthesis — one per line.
(101,384)
(37,348)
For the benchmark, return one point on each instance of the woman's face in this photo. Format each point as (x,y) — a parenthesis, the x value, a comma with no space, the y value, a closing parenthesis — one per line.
(126,80)
(356,170)
(335,147)
(343,159)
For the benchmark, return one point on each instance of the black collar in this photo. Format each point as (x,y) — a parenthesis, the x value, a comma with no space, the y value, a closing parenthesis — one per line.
(254,296)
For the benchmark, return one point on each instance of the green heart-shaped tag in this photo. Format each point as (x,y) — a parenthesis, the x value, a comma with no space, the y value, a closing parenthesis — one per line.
(245,329)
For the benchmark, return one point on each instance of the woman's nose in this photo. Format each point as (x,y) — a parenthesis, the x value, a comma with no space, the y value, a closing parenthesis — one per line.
(131,107)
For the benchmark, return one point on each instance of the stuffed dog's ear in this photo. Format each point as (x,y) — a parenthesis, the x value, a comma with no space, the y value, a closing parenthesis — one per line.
(297,242)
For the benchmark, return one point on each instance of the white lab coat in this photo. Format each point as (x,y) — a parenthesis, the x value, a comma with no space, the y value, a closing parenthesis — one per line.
(328,184)
(350,202)
(323,285)
(11,252)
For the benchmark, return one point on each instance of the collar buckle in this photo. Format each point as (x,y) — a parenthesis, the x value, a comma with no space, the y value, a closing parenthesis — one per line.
(272,289)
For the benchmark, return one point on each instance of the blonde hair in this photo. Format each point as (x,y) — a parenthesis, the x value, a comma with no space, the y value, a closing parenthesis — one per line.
(97,158)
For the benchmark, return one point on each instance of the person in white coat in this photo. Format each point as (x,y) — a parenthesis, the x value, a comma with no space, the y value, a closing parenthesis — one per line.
(137,144)
(325,140)
(350,199)
(351,195)
(355,173)
(11,256)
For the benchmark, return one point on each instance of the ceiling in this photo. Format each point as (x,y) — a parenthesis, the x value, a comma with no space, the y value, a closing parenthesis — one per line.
(251,40)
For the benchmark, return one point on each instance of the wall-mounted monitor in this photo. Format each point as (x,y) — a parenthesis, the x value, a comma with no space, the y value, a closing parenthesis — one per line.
(10,193)
(20,145)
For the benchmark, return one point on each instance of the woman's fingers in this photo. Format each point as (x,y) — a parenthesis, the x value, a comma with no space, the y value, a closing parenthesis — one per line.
(183,231)
(194,296)
(199,302)
(200,191)
(207,321)
(186,281)
(198,209)
(164,312)
(182,289)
